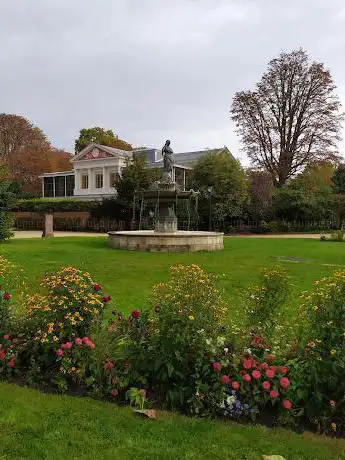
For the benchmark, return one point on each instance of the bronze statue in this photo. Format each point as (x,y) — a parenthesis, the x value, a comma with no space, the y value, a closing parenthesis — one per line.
(168,160)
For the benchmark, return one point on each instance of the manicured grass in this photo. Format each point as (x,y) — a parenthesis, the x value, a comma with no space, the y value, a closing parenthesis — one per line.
(47,427)
(129,276)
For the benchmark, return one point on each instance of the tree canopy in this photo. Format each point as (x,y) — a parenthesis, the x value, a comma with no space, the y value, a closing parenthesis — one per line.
(291,118)
(26,153)
(99,136)
(228,181)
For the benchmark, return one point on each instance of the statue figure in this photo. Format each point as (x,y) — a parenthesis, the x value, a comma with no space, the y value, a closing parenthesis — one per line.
(168,160)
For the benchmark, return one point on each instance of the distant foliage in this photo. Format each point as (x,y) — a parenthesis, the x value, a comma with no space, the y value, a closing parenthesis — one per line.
(99,136)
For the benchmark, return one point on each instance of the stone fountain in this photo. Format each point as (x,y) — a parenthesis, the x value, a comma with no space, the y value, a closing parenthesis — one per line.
(166,237)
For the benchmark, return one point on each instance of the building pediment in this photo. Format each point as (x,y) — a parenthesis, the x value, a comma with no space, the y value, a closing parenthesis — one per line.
(96,151)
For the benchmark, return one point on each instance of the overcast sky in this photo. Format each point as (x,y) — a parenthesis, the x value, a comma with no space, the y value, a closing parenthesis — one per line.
(153,69)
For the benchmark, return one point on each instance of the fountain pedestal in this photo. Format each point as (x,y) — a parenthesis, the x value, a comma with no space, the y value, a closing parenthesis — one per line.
(165,237)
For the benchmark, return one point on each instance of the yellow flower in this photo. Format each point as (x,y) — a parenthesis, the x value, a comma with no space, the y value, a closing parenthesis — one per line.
(55,338)
(315,307)
(334,426)
(191,318)
(333,352)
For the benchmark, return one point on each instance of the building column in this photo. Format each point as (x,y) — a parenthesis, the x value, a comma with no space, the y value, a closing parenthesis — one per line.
(105,179)
(54,186)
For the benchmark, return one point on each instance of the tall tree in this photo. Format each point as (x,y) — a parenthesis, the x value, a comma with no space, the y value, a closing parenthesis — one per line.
(292,118)
(136,176)
(228,181)
(99,136)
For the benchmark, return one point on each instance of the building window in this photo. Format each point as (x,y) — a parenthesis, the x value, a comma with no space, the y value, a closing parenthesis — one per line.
(99,180)
(60,186)
(113,179)
(48,187)
(69,185)
(84,181)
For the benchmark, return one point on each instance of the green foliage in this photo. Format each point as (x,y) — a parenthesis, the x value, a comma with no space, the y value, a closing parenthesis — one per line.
(338,179)
(228,181)
(266,302)
(46,205)
(135,177)
(99,136)
(322,342)
(6,218)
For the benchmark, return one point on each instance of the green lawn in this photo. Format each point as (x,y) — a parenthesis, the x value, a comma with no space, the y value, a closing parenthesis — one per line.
(37,426)
(45,427)
(129,276)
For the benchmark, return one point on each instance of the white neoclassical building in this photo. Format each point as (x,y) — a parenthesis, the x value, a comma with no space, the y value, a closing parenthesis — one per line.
(97,168)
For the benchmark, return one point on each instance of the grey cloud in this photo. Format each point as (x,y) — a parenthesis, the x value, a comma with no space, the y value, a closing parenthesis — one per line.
(152,69)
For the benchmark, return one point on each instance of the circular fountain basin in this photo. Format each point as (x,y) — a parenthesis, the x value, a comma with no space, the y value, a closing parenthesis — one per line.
(180,241)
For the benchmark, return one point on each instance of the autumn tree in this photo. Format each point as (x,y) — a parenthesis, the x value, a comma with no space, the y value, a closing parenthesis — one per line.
(99,136)
(338,179)
(291,118)
(26,153)
(260,189)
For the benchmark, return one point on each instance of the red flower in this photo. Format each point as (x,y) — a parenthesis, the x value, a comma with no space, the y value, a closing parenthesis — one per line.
(284,382)
(256,375)
(78,341)
(2,355)
(11,362)
(235,385)
(157,308)
(106,299)
(217,367)
(266,385)
(225,379)
(135,314)
(6,296)
(97,287)
(114,392)
(59,353)
(247,363)
(270,373)
(247,378)
(108,365)
(6,337)
(274,394)
(264,366)
(287,404)
(67,346)
(283,370)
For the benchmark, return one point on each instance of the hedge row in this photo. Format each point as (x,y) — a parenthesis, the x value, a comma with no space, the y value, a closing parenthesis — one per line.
(45,205)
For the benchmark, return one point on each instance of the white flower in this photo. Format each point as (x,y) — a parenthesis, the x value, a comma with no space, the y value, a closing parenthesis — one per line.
(226,350)
(230,399)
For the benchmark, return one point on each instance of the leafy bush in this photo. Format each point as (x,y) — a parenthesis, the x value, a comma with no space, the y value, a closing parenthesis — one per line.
(47,205)
(322,360)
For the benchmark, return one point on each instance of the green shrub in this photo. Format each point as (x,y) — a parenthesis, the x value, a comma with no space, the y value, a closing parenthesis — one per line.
(48,205)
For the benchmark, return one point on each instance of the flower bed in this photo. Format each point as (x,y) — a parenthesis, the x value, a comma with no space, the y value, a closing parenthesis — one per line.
(183,352)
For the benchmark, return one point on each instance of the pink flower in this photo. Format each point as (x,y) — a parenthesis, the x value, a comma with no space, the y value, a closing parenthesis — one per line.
(287,404)
(283,370)
(88,342)
(78,341)
(142,393)
(235,385)
(247,363)
(97,287)
(59,353)
(106,299)
(6,337)
(274,394)
(332,403)
(256,375)
(114,392)
(247,378)
(85,340)
(284,382)
(135,314)
(225,379)
(270,373)
(266,385)
(264,366)
(108,365)
(217,367)
(67,346)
